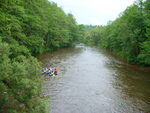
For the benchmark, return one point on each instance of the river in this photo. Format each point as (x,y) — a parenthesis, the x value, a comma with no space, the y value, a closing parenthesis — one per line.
(92,80)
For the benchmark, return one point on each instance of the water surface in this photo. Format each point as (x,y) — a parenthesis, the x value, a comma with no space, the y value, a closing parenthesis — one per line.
(92,80)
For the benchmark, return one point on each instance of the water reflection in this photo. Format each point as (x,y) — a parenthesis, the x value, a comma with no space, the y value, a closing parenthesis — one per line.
(132,83)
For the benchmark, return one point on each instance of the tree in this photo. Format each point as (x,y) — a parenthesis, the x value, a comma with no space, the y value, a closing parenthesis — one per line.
(128,35)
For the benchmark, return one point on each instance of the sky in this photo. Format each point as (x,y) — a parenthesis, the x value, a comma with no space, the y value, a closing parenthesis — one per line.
(94,12)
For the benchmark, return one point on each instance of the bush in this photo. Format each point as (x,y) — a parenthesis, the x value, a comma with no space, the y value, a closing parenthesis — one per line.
(20,83)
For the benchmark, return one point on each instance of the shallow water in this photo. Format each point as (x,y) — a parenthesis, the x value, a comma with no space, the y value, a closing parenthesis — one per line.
(92,80)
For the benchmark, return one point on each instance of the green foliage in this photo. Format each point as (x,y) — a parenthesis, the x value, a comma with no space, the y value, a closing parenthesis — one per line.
(38,25)
(29,27)
(144,56)
(20,81)
(128,35)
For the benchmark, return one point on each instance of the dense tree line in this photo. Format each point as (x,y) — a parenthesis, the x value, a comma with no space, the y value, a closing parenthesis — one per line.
(128,35)
(29,27)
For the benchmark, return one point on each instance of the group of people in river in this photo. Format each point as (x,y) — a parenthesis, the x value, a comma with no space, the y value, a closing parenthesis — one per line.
(50,71)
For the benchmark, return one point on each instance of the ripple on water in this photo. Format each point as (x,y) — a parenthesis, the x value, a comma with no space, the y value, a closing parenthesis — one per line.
(92,80)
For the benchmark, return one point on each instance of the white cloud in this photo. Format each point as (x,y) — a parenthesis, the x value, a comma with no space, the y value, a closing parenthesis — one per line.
(94,11)
(94,21)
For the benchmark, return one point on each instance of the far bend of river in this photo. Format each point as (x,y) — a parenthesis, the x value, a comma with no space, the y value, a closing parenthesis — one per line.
(91,80)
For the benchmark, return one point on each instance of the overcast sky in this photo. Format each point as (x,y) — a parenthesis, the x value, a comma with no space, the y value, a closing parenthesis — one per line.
(94,12)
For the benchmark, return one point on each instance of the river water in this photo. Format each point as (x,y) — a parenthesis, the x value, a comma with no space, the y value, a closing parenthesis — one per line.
(92,80)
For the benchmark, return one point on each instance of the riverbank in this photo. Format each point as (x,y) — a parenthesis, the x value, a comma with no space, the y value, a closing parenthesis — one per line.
(132,65)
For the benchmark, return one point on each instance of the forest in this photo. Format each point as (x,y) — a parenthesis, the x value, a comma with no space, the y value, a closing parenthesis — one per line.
(31,27)
(127,36)
(27,28)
